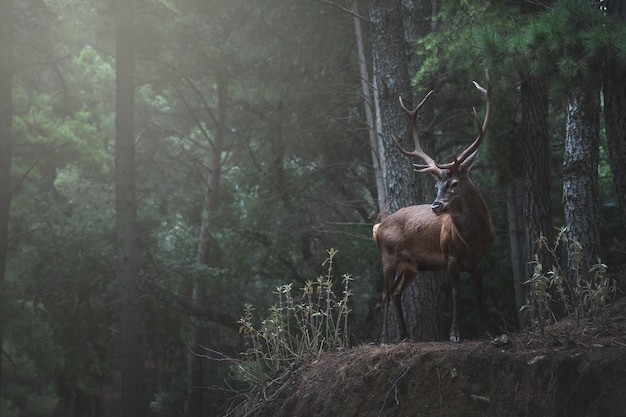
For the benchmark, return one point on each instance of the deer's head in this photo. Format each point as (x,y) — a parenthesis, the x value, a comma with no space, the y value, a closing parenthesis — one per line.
(452,178)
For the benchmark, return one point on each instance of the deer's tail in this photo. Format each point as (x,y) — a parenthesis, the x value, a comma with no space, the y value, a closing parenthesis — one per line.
(374,230)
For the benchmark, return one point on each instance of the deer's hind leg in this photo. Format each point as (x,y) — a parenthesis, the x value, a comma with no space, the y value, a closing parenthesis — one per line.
(397,302)
(389,275)
(402,281)
(383,335)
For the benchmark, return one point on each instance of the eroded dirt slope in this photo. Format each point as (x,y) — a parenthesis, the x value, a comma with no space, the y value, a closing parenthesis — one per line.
(567,371)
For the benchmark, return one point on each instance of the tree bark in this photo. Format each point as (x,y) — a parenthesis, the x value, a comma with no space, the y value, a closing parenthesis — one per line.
(392,79)
(6,144)
(134,395)
(393,47)
(366,91)
(427,288)
(515,198)
(580,179)
(537,213)
(615,109)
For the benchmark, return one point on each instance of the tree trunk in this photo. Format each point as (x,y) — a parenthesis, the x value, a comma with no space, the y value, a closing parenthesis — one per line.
(195,381)
(377,160)
(615,109)
(390,67)
(391,51)
(537,212)
(515,213)
(6,144)
(131,350)
(427,289)
(580,179)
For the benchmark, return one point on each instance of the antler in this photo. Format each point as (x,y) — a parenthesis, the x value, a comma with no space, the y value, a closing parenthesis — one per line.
(431,165)
(481,129)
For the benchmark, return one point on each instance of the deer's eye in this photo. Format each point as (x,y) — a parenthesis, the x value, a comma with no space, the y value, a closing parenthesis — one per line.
(452,185)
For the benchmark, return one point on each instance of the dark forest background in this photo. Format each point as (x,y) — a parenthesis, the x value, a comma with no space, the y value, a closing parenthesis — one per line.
(164,162)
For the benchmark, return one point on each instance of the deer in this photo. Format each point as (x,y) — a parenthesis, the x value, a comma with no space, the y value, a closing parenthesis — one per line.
(454,233)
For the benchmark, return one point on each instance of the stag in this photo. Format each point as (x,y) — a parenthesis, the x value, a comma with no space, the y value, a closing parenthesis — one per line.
(453,233)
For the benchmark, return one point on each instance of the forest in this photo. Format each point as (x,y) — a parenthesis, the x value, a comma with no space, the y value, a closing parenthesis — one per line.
(188,187)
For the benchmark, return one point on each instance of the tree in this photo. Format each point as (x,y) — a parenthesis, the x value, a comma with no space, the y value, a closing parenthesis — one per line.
(243,181)
(48,134)
(131,349)
(392,81)
(392,41)
(6,146)
(418,18)
(366,91)
(581,202)
(197,79)
(614,89)
(559,49)
(569,34)
(206,246)
(535,145)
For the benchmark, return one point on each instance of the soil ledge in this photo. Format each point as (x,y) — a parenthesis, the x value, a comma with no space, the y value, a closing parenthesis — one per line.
(570,371)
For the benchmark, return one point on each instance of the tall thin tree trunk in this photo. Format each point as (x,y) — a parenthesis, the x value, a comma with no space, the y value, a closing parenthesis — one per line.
(515,213)
(391,72)
(377,159)
(580,179)
(535,146)
(6,144)
(390,68)
(205,256)
(423,315)
(615,109)
(134,395)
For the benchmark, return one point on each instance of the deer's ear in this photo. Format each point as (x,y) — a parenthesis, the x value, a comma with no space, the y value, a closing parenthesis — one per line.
(466,165)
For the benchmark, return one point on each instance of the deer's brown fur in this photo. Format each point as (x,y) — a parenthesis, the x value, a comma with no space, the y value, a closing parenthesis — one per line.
(454,233)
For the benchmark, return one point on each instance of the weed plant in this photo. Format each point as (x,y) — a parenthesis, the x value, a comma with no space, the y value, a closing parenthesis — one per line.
(582,297)
(296,328)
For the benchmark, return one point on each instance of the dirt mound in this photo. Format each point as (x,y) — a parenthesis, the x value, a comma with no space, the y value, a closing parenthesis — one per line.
(568,371)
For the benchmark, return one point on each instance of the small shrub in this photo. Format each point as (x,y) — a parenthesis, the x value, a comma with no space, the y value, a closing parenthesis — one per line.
(295,329)
(584,297)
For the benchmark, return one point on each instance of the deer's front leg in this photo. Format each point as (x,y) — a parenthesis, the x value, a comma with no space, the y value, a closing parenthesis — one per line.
(453,272)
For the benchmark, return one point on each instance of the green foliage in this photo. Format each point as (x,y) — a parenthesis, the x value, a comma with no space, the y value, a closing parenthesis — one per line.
(68,137)
(584,298)
(94,77)
(454,55)
(33,358)
(464,30)
(167,402)
(295,329)
(567,41)
(62,319)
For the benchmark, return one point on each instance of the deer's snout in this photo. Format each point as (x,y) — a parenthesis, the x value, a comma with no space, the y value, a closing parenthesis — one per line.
(438,207)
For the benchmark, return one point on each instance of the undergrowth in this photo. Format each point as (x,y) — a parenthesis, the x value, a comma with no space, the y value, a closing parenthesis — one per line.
(582,297)
(296,328)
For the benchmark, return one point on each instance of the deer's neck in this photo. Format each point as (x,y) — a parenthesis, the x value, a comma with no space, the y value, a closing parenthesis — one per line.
(471,218)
